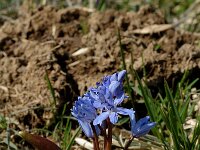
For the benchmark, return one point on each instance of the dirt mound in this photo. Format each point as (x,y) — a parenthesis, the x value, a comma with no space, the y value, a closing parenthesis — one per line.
(76,48)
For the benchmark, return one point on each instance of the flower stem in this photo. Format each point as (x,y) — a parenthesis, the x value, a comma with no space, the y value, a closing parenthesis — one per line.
(95,139)
(103,131)
(109,140)
(128,143)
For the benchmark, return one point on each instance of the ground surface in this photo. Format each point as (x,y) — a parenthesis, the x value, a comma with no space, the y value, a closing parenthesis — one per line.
(47,40)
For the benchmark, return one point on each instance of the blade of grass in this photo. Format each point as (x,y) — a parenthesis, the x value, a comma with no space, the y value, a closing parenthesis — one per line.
(125,68)
(151,107)
(73,138)
(146,98)
(184,109)
(176,114)
(51,89)
(180,84)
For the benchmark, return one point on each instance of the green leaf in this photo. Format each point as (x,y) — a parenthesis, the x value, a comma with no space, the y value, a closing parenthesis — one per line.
(73,138)
(184,109)
(51,89)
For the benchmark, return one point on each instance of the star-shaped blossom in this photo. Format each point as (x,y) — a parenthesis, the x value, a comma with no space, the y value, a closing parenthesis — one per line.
(107,96)
(85,113)
(113,115)
(102,103)
(141,127)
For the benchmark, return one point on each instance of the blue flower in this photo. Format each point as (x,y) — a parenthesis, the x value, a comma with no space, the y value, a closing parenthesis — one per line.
(109,92)
(112,114)
(107,96)
(85,113)
(141,127)
(118,76)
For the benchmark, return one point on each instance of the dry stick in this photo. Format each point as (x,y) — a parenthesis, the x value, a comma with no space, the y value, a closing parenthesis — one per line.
(128,143)
(95,138)
(109,141)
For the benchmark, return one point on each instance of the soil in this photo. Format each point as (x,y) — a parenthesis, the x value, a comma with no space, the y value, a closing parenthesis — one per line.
(75,48)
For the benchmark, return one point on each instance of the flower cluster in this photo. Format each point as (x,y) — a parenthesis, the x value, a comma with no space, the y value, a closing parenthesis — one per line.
(101,104)
(85,113)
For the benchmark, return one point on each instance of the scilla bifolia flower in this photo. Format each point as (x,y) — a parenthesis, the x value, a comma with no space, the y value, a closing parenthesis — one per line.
(141,127)
(99,108)
(107,96)
(85,113)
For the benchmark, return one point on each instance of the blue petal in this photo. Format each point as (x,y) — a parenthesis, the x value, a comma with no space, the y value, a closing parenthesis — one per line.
(145,129)
(124,111)
(86,127)
(113,87)
(142,122)
(113,117)
(133,123)
(142,127)
(93,95)
(109,99)
(106,81)
(99,119)
(97,104)
(113,77)
(119,100)
(98,131)
(121,75)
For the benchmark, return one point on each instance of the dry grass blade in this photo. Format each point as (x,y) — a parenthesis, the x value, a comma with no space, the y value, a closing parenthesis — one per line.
(84,143)
(156,28)
(81,51)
